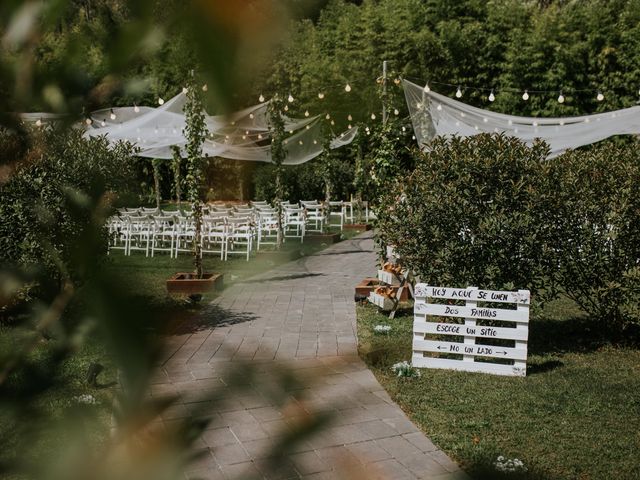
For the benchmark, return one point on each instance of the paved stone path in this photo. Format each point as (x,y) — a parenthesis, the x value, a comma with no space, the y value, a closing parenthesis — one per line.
(300,316)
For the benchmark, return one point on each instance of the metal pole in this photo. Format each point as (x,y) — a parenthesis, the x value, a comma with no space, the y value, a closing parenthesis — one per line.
(384,91)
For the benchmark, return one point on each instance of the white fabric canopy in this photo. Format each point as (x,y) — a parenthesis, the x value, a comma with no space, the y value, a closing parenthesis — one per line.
(242,135)
(433,114)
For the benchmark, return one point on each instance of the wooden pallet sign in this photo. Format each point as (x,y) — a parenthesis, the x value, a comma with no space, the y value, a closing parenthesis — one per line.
(468,329)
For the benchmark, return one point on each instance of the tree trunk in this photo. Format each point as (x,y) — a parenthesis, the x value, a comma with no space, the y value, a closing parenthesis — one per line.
(280,235)
(156,182)
(197,239)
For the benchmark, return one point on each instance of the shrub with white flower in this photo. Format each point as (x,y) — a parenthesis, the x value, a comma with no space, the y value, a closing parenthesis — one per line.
(509,465)
(382,329)
(86,399)
(405,369)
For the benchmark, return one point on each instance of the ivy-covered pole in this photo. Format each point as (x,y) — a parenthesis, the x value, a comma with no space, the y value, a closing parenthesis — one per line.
(156,180)
(175,165)
(326,170)
(195,134)
(278,154)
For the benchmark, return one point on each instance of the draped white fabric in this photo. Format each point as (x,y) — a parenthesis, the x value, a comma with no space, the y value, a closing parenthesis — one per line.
(242,135)
(433,114)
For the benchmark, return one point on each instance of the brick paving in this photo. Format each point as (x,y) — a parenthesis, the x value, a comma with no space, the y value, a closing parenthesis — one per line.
(298,318)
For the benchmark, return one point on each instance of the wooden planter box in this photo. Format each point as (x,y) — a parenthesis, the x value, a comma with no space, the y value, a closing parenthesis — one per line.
(388,278)
(357,226)
(187,284)
(366,286)
(385,303)
(328,238)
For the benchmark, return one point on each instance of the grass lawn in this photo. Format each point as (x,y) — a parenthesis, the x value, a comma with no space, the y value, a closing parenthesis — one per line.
(575,416)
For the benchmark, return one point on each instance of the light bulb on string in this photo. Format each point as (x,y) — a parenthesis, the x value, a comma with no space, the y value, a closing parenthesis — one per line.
(396,112)
(39,122)
(525,95)
(136,108)
(251,116)
(373,116)
(205,87)
(185,90)
(426,88)
(349,127)
(349,117)
(286,108)
(439,107)
(88,121)
(396,81)
(327,117)
(259,136)
(332,122)
(600,97)
(306,113)
(300,142)
(244,137)
(307,127)
(290,132)
(492,97)
(290,98)
(261,98)
(458,93)
(347,88)
(160,101)
(320,95)
(560,98)
(112,115)
(103,123)
(404,129)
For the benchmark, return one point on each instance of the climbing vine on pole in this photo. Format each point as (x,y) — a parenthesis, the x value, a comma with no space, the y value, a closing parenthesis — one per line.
(278,154)
(195,134)
(177,179)
(156,180)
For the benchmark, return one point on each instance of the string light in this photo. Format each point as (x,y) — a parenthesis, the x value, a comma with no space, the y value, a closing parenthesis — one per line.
(315,142)
(112,115)
(160,101)
(306,113)
(439,107)
(290,98)
(332,122)
(103,123)
(349,117)
(458,93)
(39,122)
(396,81)
(320,95)
(426,88)
(286,108)
(205,87)
(525,96)
(185,90)
(492,97)
(88,121)
(600,97)
(307,127)
(561,98)
(261,98)
(373,116)
(327,117)
(136,108)
(251,116)
(349,127)
(259,136)
(347,88)
(300,142)
(396,112)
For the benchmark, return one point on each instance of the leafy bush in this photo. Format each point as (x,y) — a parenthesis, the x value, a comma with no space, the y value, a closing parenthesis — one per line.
(592,206)
(467,214)
(61,166)
(492,212)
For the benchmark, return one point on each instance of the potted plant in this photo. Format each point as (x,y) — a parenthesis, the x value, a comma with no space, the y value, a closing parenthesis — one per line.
(195,283)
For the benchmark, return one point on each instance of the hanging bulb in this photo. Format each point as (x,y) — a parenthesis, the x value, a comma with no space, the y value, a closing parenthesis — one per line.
(300,142)
(492,97)
(419,105)
(404,129)
(373,116)
(259,136)
(160,101)
(315,142)
(290,98)
(246,132)
(103,123)
(426,88)
(112,115)
(306,113)
(525,96)
(327,117)
(307,127)
(332,122)
(396,112)
(320,95)
(290,132)
(349,117)
(600,97)
(88,121)
(439,107)
(251,116)
(39,122)
(244,137)
(136,108)
(347,88)
(205,87)
(349,127)
(396,81)
(458,93)
(286,108)
(261,98)
(561,98)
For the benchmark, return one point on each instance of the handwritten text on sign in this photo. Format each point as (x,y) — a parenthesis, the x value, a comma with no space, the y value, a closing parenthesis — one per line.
(431,319)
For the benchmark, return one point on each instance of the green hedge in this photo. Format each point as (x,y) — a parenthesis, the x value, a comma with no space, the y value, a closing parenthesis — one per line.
(492,212)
